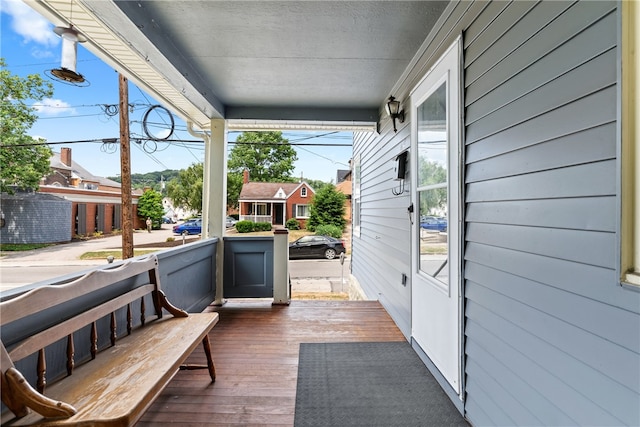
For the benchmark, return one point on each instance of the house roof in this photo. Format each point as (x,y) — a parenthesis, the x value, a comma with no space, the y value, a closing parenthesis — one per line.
(270,190)
(258,64)
(80,172)
(344,187)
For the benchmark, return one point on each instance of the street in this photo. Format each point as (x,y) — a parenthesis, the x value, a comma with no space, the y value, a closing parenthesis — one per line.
(23,268)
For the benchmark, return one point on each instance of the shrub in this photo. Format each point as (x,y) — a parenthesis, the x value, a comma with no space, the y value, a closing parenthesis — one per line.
(262,226)
(171,239)
(329,230)
(292,224)
(327,208)
(244,226)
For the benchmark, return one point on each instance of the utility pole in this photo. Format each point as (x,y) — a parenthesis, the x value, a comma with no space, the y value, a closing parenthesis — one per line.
(125,170)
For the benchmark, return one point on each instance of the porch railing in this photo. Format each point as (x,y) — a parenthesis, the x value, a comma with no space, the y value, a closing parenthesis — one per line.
(256,218)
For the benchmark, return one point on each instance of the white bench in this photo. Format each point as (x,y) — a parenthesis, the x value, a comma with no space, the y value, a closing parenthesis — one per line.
(122,380)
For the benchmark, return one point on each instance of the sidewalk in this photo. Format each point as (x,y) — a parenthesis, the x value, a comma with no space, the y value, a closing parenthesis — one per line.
(69,253)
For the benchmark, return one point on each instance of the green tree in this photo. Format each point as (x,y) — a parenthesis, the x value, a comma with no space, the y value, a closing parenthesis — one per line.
(317,184)
(153,180)
(433,200)
(150,206)
(24,159)
(327,208)
(267,156)
(186,189)
(234,186)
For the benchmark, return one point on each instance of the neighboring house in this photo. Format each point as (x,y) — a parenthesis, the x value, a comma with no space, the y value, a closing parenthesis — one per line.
(176,212)
(96,202)
(345,187)
(274,202)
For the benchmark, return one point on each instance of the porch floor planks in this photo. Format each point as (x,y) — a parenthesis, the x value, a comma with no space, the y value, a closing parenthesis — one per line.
(255,349)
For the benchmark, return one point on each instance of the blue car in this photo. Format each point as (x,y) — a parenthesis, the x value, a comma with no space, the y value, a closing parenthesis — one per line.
(433,223)
(192,226)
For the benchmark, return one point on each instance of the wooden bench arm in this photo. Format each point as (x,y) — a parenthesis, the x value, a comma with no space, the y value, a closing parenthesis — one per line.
(175,311)
(27,395)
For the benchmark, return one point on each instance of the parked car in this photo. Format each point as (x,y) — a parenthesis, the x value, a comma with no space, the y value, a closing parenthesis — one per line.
(192,226)
(167,220)
(231,222)
(316,247)
(433,223)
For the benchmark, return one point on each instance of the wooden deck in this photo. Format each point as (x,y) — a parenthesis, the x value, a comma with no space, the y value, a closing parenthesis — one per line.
(255,349)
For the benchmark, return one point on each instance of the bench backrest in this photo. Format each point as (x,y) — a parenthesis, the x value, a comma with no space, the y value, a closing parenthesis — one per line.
(39,299)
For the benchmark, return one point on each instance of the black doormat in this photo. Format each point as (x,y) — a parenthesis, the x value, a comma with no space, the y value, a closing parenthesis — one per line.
(369,384)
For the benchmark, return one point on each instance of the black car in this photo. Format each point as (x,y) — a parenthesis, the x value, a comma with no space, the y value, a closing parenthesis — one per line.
(316,247)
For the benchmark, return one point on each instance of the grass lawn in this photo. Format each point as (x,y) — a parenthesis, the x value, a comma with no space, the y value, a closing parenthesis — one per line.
(115,253)
(18,247)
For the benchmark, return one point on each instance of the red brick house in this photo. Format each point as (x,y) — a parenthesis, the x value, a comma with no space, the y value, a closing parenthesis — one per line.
(275,202)
(96,201)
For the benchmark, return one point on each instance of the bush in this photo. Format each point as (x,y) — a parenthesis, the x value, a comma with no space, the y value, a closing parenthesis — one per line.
(262,226)
(244,226)
(171,239)
(292,224)
(249,226)
(327,208)
(329,230)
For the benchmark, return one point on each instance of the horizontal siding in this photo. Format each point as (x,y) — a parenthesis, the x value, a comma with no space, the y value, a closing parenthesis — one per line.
(597,248)
(588,180)
(551,338)
(595,75)
(587,146)
(548,126)
(550,37)
(379,253)
(586,213)
(594,40)
(584,280)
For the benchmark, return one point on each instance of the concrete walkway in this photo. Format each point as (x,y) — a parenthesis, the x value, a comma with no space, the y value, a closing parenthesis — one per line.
(69,253)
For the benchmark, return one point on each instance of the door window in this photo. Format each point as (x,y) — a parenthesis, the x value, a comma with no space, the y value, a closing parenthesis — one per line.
(432,181)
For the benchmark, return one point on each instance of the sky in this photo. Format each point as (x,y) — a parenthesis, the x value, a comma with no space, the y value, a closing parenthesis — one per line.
(29,46)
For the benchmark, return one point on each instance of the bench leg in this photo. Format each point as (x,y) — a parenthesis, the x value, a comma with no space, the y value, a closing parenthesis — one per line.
(207,351)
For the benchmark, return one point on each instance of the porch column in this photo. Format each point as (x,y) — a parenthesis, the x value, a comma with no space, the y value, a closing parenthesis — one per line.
(281,288)
(215,196)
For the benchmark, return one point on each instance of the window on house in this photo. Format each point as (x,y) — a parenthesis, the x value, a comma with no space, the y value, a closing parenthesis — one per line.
(262,209)
(302,211)
(303,192)
(630,155)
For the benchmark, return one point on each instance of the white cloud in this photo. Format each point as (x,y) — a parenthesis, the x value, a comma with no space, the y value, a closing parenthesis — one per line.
(29,24)
(53,107)
(41,53)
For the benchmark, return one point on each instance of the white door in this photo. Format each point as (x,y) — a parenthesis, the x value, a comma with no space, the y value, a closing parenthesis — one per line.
(436,148)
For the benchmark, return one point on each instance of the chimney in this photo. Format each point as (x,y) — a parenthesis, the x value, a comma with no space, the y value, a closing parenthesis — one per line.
(65,156)
(245,176)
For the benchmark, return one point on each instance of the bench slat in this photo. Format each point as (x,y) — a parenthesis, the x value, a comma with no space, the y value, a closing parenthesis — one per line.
(135,371)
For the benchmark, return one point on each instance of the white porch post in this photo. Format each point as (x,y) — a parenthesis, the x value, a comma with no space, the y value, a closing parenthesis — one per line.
(215,196)
(281,289)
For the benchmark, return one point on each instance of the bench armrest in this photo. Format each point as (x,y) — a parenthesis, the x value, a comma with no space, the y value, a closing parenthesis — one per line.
(26,395)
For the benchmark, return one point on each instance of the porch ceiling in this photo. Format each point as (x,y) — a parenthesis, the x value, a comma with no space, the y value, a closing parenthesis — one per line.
(286,64)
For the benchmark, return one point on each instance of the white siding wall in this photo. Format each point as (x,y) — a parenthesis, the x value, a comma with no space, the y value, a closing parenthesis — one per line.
(550,336)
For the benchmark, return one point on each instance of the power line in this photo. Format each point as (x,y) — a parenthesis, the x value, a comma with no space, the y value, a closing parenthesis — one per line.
(181,142)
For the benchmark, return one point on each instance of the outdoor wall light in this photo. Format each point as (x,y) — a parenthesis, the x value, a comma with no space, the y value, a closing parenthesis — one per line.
(394,111)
